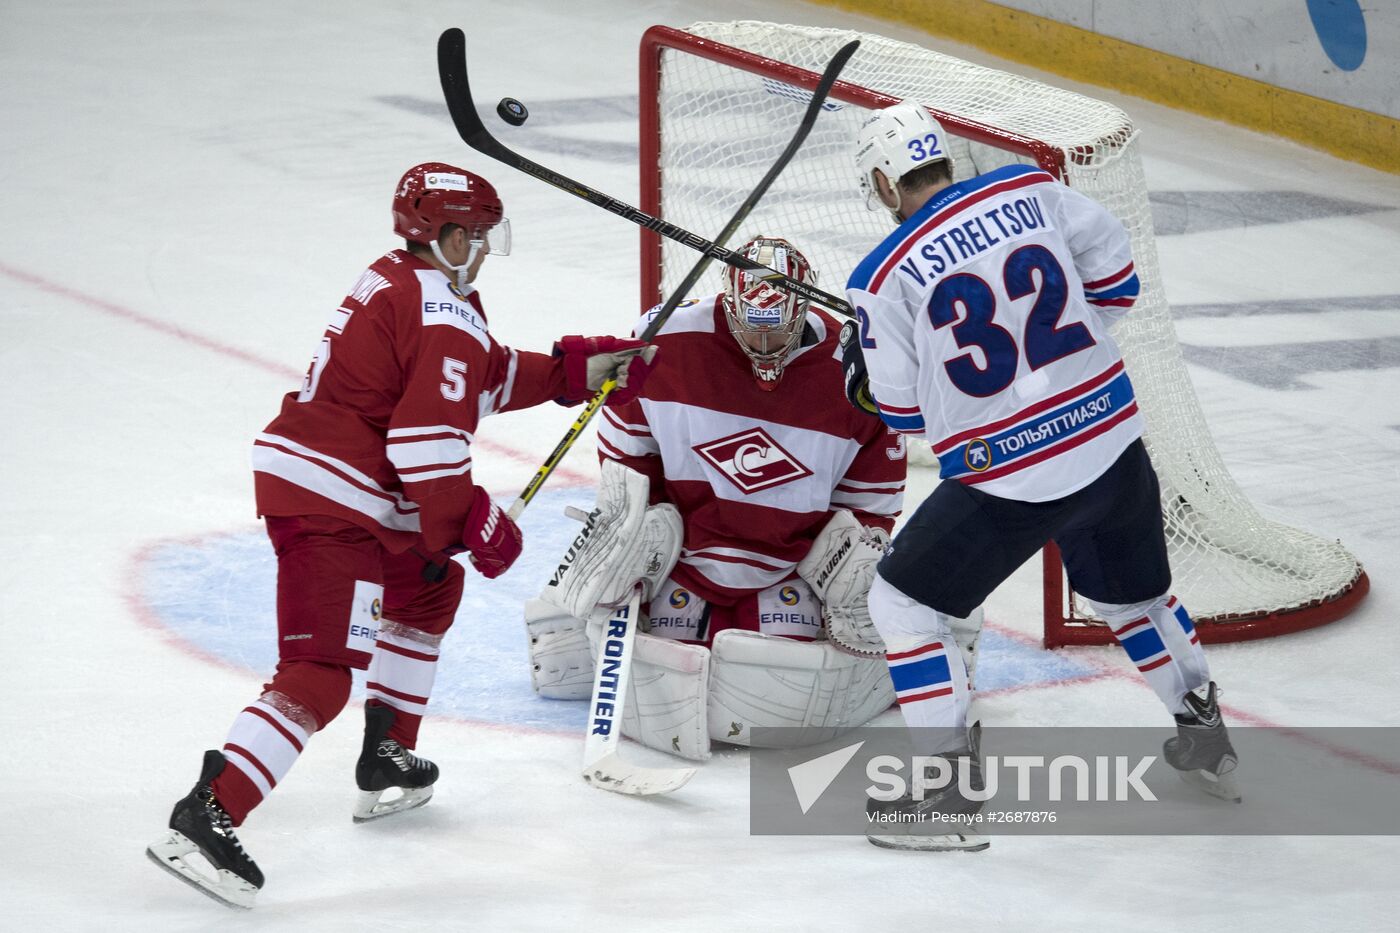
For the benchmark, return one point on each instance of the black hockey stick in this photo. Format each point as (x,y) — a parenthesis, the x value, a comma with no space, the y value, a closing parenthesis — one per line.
(452,66)
(452,69)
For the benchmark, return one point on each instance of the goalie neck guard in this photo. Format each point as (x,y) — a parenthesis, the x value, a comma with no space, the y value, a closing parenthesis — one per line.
(766,321)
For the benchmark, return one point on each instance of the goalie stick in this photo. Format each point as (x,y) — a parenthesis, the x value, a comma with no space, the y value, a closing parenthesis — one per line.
(612,675)
(452,69)
(602,766)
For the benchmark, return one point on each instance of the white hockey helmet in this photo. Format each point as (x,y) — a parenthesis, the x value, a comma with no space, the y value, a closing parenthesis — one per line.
(897,140)
(767,321)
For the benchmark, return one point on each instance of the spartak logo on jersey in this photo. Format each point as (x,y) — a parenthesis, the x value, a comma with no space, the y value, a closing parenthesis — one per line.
(752,460)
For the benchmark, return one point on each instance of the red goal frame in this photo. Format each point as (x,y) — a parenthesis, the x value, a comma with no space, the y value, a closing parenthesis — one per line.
(1061,624)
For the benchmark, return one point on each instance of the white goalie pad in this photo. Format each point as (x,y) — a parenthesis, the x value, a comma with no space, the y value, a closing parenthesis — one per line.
(561,660)
(623,542)
(683,696)
(666,707)
(839,568)
(761,681)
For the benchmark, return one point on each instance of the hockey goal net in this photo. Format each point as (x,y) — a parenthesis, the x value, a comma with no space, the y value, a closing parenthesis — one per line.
(719,102)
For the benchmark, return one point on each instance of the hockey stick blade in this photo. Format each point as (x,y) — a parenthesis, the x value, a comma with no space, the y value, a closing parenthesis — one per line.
(612,676)
(456,89)
(612,773)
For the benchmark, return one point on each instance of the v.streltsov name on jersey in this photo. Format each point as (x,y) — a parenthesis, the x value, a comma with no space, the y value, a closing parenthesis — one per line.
(984,322)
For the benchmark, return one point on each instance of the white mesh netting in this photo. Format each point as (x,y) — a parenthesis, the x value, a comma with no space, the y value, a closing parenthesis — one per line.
(722,127)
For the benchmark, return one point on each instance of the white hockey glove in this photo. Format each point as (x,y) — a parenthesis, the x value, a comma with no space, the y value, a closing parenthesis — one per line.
(623,543)
(839,568)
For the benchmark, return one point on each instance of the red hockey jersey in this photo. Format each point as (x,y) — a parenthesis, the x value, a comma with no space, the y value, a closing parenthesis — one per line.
(755,474)
(380,433)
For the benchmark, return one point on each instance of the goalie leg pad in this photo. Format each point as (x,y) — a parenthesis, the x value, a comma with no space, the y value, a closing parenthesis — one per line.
(561,661)
(623,542)
(666,706)
(762,681)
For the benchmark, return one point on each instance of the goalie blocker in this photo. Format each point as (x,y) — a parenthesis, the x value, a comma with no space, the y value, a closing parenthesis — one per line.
(683,695)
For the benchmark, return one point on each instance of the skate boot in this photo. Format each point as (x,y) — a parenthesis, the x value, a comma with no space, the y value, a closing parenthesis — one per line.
(1201,750)
(199,824)
(385,764)
(944,820)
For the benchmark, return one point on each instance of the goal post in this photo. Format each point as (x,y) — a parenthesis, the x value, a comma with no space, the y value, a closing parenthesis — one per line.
(718,101)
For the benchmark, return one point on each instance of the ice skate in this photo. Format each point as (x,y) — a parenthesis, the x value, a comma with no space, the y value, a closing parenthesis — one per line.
(384,765)
(1201,751)
(199,824)
(943,821)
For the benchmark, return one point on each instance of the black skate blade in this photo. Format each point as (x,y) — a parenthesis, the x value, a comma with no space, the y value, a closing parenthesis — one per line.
(229,889)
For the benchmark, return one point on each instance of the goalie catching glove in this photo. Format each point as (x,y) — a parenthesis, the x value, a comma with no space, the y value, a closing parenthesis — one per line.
(839,568)
(623,542)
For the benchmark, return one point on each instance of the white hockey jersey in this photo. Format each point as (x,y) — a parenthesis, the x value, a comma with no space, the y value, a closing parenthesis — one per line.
(984,327)
(755,474)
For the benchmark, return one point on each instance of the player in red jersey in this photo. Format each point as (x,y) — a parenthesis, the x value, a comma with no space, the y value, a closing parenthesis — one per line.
(754,476)
(364,480)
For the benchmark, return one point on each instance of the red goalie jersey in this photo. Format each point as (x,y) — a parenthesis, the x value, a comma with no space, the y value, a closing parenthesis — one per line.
(380,434)
(754,473)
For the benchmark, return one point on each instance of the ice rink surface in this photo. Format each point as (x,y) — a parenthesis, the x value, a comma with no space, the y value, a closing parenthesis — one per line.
(188,191)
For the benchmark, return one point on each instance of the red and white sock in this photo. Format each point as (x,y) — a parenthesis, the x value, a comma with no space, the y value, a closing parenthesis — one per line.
(401,675)
(264,743)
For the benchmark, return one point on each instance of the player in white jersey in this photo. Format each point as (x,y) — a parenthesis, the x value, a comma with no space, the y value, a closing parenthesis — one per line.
(982,324)
(741,446)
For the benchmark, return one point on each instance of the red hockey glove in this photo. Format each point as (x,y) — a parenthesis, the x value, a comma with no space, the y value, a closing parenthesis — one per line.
(491,538)
(588,361)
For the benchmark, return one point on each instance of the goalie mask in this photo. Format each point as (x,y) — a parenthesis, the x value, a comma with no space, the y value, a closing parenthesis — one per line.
(897,140)
(767,321)
(435,193)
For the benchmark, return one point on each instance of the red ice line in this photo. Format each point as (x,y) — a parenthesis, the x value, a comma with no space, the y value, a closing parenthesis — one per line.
(1109,671)
(572,477)
(148,618)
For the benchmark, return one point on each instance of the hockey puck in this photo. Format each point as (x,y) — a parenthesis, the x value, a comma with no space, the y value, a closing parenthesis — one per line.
(512,111)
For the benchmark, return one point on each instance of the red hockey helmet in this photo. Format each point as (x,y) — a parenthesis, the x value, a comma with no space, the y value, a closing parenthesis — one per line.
(766,320)
(435,193)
